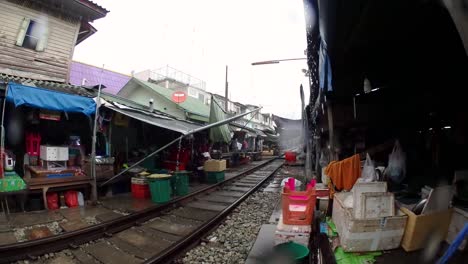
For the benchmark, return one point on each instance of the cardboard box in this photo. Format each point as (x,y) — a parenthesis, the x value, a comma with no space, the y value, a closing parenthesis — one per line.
(422,228)
(215,165)
(359,235)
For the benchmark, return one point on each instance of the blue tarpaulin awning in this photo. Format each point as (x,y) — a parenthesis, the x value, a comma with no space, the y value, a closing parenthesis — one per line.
(51,100)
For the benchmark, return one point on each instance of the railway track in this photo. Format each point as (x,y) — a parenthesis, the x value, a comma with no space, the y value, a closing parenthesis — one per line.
(155,235)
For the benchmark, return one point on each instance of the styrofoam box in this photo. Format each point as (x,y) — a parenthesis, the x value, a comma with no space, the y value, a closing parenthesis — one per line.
(295,233)
(358,235)
(54,153)
(365,187)
(377,204)
(302,229)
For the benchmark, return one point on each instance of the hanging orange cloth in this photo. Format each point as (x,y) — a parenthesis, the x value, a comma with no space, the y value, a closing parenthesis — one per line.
(343,174)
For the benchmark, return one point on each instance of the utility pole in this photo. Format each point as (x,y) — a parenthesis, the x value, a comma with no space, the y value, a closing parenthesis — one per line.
(226,92)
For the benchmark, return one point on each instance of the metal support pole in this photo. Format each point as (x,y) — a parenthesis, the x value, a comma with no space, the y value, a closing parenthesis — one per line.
(226,92)
(354,106)
(331,132)
(93,147)
(2,140)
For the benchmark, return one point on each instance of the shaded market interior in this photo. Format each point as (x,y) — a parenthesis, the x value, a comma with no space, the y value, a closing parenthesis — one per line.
(414,63)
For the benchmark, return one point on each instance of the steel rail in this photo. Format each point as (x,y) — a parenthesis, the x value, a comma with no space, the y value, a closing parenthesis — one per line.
(171,253)
(72,239)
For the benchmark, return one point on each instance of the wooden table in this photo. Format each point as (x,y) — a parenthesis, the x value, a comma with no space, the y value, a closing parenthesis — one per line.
(44,183)
(257,155)
(41,172)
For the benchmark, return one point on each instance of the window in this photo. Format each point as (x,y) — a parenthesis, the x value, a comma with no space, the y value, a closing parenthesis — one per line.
(193,92)
(201,97)
(32,35)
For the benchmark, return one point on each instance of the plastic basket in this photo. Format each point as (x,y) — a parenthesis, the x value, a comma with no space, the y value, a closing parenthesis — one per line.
(215,177)
(298,206)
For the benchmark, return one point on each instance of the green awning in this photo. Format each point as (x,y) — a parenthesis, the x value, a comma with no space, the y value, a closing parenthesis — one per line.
(198,118)
(219,133)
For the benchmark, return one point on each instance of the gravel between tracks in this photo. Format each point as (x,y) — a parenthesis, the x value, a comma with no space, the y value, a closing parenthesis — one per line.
(233,239)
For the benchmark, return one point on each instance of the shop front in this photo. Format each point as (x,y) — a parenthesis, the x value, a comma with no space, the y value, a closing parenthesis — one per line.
(46,135)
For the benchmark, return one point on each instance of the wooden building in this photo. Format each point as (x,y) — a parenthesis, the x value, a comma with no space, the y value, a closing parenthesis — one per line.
(37,38)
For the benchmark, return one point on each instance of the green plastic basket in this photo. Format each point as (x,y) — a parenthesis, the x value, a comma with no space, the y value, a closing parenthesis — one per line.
(214,177)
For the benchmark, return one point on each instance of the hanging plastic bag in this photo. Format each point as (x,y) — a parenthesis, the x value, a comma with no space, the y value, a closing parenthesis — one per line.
(396,170)
(323,161)
(80,199)
(368,171)
(297,182)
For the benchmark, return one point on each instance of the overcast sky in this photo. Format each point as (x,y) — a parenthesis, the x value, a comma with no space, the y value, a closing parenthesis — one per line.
(200,37)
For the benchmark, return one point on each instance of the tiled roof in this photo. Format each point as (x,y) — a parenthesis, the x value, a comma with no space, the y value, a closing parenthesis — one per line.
(56,86)
(112,80)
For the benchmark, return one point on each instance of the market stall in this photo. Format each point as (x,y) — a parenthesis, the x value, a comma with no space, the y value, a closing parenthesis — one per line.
(49,133)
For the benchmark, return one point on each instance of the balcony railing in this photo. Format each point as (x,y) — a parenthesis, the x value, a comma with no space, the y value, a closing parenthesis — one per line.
(178,76)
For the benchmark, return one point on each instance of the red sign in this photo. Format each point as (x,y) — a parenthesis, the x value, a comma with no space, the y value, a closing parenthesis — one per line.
(179,97)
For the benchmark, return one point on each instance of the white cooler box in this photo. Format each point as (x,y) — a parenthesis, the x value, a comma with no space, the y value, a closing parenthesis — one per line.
(54,153)
(359,235)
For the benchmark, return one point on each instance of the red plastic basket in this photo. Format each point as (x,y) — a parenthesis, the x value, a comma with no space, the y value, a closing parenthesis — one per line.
(141,191)
(298,206)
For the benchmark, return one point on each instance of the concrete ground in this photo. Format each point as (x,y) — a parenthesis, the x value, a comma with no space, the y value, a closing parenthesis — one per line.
(402,257)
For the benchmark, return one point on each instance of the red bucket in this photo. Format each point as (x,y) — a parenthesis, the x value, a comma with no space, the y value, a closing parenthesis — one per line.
(140,191)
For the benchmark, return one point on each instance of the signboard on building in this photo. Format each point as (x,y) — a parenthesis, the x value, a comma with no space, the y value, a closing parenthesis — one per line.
(179,97)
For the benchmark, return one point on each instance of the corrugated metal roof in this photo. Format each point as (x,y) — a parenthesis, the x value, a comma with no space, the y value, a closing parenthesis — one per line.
(95,5)
(152,118)
(113,81)
(56,86)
